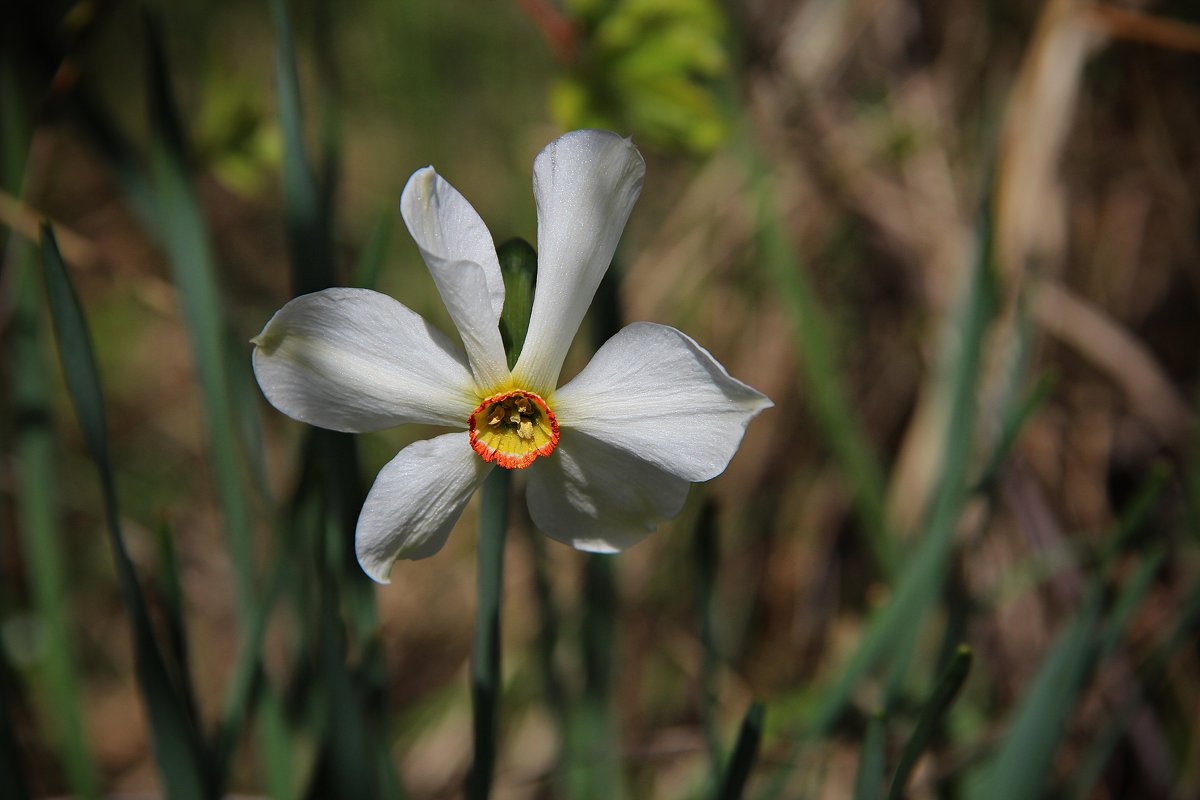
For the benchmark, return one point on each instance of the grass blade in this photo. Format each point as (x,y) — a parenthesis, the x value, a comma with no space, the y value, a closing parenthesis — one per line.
(370,261)
(36,505)
(1013,426)
(932,714)
(1182,633)
(184,237)
(868,783)
(831,404)
(1025,756)
(34,455)
(924,574)
(706,547)
(177,741)
(309,228)
(13,783)
(745,753)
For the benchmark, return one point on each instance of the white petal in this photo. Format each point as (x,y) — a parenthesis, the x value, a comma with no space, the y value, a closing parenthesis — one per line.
(596,497)
(655,393)
(415,501)
(356,360)
(461,256)
(585,183)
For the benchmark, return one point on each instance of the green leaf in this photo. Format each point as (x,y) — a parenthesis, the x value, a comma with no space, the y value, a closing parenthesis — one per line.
(518,268)
(930,720)
(707,558)
(1014,424)
(34,452)
(823,382)
(924,573)
(370,262)
(176,738)
(309,227)
(181,229)
(868,783)
(13,783)
(1026,754)
(745,753)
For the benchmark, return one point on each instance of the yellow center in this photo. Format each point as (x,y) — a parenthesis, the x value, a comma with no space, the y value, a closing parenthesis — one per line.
(513,428)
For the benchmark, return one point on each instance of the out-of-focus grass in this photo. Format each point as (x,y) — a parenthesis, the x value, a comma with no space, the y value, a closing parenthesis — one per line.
(963,450)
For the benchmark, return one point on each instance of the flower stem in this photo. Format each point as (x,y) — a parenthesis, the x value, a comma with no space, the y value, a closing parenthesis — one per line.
(518,266)
(485,663)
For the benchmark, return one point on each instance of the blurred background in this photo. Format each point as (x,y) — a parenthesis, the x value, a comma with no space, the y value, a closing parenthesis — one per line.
(956,243)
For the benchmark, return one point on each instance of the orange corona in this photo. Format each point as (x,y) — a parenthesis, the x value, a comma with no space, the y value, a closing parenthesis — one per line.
(513,428)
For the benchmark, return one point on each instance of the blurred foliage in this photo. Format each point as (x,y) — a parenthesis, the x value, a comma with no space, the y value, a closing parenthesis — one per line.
(648,68)
(954,244)
(234,135)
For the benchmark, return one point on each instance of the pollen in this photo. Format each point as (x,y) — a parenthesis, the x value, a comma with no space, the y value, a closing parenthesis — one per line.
(513,428)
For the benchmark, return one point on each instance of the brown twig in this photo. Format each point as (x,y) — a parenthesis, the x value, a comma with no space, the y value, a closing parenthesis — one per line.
(1126,24)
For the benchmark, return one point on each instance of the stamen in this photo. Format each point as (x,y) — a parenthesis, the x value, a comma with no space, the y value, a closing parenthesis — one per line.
(513,429)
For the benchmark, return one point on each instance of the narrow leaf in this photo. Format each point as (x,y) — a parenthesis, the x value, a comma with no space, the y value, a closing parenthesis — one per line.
(930,720)
(745,753)
(1021,765)
(177,741)
(184,236)
(868,783)
(309,228)
(370,261)
(707,556)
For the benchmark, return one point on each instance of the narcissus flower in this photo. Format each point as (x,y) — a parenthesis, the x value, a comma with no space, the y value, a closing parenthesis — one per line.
(608,455)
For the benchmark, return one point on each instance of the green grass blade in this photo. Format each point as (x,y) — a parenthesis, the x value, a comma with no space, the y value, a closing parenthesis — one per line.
(1136,512)
(868,783)
(1021,765)
(485,658)
(35,495)
(1013,425)
(13,783)
(822,379)
(275,742)
(932,714)
(37,500)
(1129,600)
(745,753)
(370,261)
(177,741)
(310,238)
(184,237)
(245,681)
(170,594)
(1183,633)
(1026,754)
(925,571)
(707,557)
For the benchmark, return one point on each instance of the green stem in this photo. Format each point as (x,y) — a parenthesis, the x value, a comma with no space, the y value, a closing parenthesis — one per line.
(485,663)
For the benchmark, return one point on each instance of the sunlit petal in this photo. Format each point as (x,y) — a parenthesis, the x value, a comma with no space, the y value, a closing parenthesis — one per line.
(597,497)
(356,360)
(415,501)
(461,256)
(585,184)
(655,393)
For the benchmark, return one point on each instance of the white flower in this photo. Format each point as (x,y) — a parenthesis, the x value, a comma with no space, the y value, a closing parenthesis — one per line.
(609,454)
